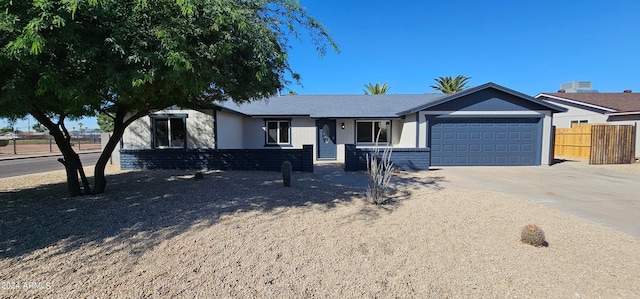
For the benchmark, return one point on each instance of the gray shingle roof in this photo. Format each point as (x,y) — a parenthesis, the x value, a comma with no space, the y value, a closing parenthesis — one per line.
(334,106)
(362,106)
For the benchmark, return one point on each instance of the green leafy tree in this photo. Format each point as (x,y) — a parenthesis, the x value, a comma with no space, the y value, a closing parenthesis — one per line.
(38,127)
(450,85)
(10,127)
(6,129)
(62,60)
(376,89)
(105,122)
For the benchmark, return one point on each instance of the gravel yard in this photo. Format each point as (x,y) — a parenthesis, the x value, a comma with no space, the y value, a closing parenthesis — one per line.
(241,234)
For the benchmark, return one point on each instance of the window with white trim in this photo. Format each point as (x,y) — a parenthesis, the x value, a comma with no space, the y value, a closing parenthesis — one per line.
(577,122)
(278,132)
(369,131)
(169,131)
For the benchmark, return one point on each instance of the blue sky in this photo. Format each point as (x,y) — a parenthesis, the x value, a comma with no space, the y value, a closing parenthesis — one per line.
(529,46)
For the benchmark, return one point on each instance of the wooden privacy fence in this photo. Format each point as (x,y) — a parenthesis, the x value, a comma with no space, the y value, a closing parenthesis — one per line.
(574,142)
(612,144)
(601,144)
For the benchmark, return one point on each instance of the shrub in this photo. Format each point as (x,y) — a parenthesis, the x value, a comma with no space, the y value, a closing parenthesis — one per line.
(198,176)
(533,235)
(380,171)
(286,173)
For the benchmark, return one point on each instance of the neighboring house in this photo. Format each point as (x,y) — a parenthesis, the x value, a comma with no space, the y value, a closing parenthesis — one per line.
(484,125)
(592,107)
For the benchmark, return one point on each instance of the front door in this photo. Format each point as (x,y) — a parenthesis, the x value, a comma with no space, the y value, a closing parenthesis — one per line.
(327,148)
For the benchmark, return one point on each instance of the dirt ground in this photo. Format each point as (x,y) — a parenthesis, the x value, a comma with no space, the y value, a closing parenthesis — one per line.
(241,234)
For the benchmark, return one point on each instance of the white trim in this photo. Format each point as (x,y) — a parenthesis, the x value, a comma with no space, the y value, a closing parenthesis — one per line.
(624,113)
(278,131)
(576,102)
(481,113)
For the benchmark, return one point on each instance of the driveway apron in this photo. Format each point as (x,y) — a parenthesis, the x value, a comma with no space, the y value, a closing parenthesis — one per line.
(605,196)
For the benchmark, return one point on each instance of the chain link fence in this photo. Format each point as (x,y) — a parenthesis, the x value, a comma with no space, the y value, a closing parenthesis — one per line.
(12,144)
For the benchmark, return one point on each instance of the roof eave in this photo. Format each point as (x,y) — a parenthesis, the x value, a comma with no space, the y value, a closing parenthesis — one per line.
(624,113)
(277,115)
(575,102)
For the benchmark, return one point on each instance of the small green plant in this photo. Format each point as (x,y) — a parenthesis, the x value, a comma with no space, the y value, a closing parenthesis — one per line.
(286,173)
(533,235)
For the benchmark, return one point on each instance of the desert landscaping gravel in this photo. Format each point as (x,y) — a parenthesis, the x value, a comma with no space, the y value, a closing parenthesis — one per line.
(238,234)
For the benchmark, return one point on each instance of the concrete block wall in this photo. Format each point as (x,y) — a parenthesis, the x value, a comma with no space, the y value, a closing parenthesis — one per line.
(404,158)
(222,159)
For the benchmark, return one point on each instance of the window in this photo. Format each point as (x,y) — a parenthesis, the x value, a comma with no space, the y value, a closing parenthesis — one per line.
(582,121)
(169,132)
(278,132)
(368,131)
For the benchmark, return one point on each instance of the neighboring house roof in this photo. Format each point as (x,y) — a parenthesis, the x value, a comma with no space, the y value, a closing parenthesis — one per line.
(492,85)
(333,106)
(362,106)
(607,102)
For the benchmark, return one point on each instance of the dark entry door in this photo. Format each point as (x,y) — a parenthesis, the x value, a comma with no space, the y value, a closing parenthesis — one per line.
(327,148)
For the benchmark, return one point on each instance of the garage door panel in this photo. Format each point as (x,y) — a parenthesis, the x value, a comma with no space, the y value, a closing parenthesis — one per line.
(501,148)
(485,142)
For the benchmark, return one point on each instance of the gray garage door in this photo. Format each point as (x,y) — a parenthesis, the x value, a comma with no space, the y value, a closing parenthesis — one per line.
(464,142)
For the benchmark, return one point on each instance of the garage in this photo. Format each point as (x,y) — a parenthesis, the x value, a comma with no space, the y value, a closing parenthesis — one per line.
(485,142)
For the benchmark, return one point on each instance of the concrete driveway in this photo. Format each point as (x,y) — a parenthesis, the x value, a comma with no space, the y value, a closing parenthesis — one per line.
(609,195)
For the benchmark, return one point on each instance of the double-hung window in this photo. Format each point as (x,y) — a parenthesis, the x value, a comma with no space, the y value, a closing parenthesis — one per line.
(169,131)
(278,132)
(376,131)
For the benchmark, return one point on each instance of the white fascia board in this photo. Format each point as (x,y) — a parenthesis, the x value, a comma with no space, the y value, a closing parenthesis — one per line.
(624,113)
(483,112)
(575,102)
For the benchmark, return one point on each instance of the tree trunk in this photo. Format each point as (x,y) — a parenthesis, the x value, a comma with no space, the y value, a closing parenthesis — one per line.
(119,125)
(70,159)
(72,172)
(99,177)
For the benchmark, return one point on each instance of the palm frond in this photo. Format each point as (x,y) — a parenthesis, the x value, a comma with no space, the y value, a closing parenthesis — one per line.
(376,89)
(450,85)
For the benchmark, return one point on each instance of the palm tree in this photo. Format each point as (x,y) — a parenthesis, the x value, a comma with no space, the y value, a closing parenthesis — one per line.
(450,85)
(376,89)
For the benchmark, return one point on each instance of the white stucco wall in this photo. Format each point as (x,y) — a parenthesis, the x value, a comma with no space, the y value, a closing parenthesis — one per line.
(547,146)
(405,132)
(138,134)
(303,132)
(343,136)
(199,130)
(230,130)
(563,120)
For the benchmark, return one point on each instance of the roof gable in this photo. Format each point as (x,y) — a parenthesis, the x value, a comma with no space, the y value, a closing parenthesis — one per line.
(607,102)
(484,98)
